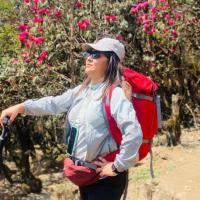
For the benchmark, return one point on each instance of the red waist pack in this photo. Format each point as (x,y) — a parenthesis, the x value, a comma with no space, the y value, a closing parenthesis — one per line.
(79,175)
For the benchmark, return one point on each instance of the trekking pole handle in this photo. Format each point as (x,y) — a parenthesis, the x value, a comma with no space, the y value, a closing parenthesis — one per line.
(4,134)
(6,121)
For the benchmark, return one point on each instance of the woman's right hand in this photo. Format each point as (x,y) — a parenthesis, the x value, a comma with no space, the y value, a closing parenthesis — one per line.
(12,112)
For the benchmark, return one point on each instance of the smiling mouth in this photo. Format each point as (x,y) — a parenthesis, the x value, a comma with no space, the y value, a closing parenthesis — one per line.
(88,65)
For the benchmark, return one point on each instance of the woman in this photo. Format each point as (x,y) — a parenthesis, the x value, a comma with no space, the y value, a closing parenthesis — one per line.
(88,136)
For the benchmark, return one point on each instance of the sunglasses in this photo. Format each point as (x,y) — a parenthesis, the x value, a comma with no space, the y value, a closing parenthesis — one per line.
(95,54)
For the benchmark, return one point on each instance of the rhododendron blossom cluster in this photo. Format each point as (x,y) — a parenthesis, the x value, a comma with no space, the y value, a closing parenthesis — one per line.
(84,24)
(156,19)
(32,33)
(110,18)
(30,40)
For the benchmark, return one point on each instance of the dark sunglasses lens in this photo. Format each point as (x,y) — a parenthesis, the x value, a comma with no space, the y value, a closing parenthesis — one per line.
(96,55)
(86,55)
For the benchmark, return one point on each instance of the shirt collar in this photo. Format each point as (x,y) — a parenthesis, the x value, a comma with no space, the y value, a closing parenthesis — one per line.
(95,86)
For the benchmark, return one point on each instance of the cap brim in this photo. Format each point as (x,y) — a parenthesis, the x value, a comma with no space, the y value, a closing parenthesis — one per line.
(87,46)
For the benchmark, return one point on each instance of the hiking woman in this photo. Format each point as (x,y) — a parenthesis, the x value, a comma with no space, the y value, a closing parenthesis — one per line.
(87,134)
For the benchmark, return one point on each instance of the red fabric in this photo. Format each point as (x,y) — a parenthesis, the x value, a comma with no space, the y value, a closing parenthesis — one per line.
(111,156)
(147,116)
(112,124)
(144,150)
(145,110)
(79,175)
(139,82)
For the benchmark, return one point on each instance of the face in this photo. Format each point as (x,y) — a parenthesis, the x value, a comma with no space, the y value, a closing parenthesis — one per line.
(96,64)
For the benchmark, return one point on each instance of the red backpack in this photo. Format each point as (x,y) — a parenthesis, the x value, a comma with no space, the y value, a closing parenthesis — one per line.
(147,107)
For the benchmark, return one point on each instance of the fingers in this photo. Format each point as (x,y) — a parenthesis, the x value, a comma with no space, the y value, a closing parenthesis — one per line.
(100,162)
(102,159)
(13,116)
(3,115)
(98,170)
(11,112)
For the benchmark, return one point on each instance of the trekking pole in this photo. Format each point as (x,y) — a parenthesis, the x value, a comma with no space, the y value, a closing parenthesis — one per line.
(5,133)
(3,138)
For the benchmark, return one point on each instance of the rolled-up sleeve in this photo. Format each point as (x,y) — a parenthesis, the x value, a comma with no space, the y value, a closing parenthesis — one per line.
(50,105)
(124,114)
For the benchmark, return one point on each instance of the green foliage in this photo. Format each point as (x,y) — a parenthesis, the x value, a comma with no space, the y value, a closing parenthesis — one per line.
(8,36)
(144,174)
(8,40)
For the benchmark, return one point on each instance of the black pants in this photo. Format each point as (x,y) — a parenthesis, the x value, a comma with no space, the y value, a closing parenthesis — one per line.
(109,188)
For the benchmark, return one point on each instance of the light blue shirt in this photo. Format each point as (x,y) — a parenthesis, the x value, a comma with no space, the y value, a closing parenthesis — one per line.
(86,115)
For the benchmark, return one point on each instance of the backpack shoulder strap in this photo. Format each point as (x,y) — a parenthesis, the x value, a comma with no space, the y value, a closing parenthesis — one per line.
(112,125)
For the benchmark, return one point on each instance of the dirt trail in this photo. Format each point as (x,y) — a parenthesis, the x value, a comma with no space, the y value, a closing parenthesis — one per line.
(177,173)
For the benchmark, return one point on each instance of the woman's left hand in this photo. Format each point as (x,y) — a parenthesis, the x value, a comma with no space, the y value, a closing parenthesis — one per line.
(104,167)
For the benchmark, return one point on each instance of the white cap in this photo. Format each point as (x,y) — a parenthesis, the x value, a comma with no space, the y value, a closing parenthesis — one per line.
(108,44)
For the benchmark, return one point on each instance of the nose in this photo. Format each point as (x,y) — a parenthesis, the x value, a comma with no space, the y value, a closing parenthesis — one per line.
(89,58)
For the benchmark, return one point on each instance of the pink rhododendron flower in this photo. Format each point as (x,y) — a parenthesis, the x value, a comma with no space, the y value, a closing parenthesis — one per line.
(147,21)
(107,17)
(140,19)
(154,9)
(145,15)
(153,30)
(27,44)
(23,36)
(145,4)
(36,1)
(58,13)
(194,20)
(120,37)
(83,24)
(178,15)
(78,4)
(41,29)
(26,1)
(110,18)
(173,50)
(144,30)
(167,5)
(33,8)
(113,18)
(150,32)
(145,26)
(41,11)
(32,38)
(39,40)
(139,6)
(49,12)
(165,30)
(153,16)
(23,27)
(24,53)
(27,60)
(174,33)
(38,20)
(134,10)
(14,61)
(167,16)
(43,56)
(171,22)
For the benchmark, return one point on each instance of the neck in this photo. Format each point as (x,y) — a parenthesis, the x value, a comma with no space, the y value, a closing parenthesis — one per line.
(96,80)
